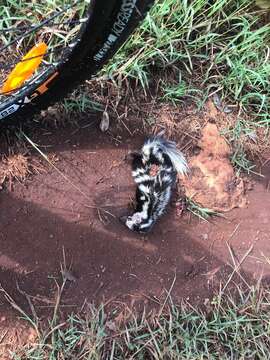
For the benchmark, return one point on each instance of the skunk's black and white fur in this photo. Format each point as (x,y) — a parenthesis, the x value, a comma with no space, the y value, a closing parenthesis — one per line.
(153,192)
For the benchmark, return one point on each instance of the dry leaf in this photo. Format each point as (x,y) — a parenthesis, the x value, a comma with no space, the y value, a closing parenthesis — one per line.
(263,4)
(105,122)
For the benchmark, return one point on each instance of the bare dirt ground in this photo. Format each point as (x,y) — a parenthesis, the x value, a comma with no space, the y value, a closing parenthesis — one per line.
(46,214)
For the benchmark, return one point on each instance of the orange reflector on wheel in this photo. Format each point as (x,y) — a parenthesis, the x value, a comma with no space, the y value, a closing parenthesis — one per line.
(25,68)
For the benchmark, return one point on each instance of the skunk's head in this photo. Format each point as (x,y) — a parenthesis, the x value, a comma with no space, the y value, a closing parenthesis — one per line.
(152,152)
(137,223)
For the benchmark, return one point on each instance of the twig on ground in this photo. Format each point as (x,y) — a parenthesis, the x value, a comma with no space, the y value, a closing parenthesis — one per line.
(236,264)
(12,302)
(168,295)
(237,268)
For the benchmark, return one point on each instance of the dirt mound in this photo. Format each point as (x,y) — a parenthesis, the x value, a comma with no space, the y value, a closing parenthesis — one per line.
(212,182)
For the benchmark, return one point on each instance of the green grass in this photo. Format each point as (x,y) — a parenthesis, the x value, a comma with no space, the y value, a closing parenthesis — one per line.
(199,211)
(178,92)
(231,327)
(81,103)
(241,132)
(223,46)
(240,161)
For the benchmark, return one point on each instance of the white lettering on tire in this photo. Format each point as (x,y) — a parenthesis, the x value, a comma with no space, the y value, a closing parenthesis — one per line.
(122,20)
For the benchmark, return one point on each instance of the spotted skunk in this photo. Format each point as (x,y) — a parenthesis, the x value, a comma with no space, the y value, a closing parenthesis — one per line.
(154,170)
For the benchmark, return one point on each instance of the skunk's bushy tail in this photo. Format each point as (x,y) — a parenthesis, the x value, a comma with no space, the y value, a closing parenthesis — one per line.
(158,143)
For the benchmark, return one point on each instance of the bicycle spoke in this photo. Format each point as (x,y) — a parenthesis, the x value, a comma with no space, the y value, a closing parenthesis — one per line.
(23,28)
(37,27)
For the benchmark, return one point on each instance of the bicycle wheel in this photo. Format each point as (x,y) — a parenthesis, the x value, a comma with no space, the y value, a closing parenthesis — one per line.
(81,38)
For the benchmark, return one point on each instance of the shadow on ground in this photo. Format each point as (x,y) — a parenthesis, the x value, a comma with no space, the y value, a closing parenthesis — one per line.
(47,214)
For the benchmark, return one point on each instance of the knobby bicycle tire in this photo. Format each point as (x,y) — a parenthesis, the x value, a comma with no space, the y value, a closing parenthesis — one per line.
(109,24)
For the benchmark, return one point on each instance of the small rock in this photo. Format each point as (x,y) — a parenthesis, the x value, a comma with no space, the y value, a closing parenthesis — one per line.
(227,109)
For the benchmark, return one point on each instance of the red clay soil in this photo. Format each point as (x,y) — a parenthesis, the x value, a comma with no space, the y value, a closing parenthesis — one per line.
(46,214)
